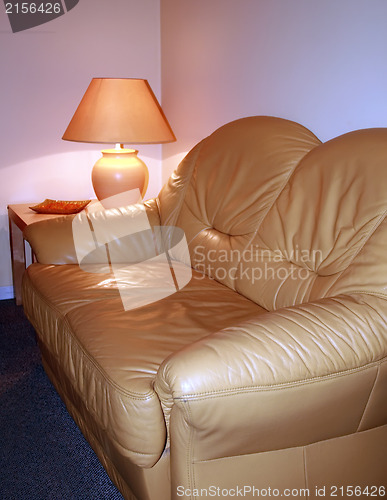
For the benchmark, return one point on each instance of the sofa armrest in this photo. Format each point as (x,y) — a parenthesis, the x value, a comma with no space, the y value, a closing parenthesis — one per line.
(288,378)
(52,240)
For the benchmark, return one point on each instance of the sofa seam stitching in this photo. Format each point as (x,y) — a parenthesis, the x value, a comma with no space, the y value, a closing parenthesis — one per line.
(284,385)
(190,460)
(306,483)
(369,398)
(369,234)
(313,443)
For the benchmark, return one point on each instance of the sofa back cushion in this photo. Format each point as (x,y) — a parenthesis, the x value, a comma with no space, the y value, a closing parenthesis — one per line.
(274,214)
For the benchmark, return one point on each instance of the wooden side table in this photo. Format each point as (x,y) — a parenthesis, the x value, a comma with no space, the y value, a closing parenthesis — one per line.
(19,217)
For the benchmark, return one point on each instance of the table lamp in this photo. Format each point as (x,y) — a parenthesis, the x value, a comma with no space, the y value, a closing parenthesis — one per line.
(120,111)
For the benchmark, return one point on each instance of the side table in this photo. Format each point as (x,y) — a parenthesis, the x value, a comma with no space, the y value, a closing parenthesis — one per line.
(19,217)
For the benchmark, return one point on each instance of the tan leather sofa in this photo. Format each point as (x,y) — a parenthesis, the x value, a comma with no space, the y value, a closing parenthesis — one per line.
(266,374)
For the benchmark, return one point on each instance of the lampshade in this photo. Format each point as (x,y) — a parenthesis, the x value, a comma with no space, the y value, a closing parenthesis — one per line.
(120,111)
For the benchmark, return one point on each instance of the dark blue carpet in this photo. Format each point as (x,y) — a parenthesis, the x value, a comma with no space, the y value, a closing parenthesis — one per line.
(43,454)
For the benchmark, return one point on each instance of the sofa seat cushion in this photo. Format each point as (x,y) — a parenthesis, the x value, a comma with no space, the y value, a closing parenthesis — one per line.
(111,355)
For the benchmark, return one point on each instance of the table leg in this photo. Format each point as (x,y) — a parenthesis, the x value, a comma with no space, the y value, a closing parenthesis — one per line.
(18,258)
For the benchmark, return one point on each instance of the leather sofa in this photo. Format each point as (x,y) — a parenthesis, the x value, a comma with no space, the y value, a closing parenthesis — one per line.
(265,373)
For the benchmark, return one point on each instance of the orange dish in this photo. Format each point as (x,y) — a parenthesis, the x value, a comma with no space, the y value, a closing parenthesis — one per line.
(60,207)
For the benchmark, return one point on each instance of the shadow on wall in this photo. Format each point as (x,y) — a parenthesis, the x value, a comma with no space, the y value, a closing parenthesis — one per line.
(170,163)
(5,268)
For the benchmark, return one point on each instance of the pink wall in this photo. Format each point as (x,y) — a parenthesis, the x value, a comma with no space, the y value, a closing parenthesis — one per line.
(321,63)
(45,71)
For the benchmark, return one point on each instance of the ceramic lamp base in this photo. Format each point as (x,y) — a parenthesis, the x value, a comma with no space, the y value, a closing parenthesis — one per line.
(118,171)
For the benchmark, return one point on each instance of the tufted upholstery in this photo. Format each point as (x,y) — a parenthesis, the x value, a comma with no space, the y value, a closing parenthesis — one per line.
(269,367)
(283,209)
